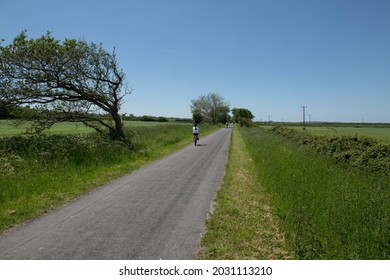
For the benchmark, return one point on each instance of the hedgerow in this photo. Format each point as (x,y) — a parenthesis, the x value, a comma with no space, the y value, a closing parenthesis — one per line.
(354,151)
(60,149)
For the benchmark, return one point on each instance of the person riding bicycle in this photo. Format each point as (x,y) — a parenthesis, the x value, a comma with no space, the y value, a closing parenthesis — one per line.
(195,132)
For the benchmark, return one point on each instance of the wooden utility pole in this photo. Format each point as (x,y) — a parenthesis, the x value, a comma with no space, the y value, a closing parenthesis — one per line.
(303,108)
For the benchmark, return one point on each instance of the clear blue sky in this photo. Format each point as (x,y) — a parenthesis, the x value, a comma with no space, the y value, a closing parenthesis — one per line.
(269,56)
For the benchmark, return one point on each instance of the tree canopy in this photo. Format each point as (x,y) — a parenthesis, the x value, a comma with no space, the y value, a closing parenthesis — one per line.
(70,80)
(210,107)
(197,116)
(242,116)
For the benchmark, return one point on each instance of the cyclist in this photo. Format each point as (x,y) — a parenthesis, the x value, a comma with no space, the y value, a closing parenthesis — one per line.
(195,133)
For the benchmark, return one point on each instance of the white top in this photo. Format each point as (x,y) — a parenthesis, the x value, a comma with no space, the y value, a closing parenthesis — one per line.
(195,129)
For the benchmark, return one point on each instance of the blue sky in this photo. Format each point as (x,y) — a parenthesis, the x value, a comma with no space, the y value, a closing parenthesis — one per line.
(269,56)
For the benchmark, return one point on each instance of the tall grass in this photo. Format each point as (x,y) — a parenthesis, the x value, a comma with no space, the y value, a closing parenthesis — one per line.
(327,212)
(242,226)
(39,173)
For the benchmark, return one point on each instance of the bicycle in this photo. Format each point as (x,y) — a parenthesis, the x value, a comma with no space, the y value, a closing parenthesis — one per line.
(196,139)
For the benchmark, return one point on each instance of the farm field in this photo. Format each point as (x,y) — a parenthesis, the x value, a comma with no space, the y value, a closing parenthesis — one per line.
(382,134)
(8,129)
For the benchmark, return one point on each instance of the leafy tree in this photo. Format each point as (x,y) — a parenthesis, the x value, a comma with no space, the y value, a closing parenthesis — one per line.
(224,118)
(210,107)
(64,81)
(242,116)
(197,116)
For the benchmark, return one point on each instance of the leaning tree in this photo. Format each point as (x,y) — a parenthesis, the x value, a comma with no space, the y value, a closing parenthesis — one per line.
(69,80)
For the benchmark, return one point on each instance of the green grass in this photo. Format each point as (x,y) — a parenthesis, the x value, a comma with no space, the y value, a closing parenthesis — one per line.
(279,200)
(40,173)
(326,211)
(382,134)
(243,225)
(7,127)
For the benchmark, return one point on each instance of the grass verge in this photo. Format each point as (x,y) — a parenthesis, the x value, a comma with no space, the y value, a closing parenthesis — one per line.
(242,225)
(326,210)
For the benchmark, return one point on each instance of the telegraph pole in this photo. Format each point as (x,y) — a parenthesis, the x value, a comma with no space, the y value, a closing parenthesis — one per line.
(303,109)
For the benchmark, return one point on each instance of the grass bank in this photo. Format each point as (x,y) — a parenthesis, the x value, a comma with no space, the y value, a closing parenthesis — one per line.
(326,210)
(243,225)
(39,173)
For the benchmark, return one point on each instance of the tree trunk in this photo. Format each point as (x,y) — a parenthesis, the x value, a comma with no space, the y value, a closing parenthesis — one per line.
(119,127)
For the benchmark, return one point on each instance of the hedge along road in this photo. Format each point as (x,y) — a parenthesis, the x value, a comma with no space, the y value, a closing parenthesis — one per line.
(156,212)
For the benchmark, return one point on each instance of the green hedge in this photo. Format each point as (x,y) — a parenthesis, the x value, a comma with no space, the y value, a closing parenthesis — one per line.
(355,151)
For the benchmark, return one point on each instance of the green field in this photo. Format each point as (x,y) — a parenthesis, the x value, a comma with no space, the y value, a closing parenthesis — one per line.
(7,128)
(382,134)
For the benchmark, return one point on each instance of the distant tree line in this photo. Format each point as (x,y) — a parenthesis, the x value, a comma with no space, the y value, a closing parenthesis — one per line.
(5,111)
(212,108)
(146,118)
(15,112)
(28,113)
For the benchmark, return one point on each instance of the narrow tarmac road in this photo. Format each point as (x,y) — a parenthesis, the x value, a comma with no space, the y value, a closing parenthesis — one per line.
(156,212)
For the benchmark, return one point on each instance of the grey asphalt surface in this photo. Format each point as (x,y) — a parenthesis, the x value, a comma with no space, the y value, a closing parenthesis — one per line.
(156,212)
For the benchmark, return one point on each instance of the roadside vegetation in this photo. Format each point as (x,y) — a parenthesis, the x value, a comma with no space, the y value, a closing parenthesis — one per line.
(41,172)
(354,151)
(243,224)
(379,131)
(327,210)
(283,197)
